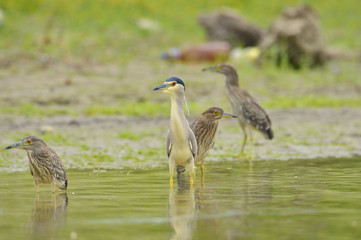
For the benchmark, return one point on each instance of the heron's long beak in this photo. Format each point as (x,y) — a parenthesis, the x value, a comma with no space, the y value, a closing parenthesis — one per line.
(228,115)
(212,68)
(164,85)
(15,145)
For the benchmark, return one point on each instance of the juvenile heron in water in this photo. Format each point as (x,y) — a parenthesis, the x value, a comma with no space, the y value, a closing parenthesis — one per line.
(45,165)
(181,145)
(250,114)
(205,128)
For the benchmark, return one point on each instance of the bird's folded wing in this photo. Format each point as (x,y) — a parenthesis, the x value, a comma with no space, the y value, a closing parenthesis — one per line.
(168,146)
(58,169)
(193,144)
(255,115)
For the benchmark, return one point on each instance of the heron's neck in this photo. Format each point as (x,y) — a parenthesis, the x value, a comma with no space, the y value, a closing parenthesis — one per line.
(177,105)
(178,122)
(232,85)
(232,79)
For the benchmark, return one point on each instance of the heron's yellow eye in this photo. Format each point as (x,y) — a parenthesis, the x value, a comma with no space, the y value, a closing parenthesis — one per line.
(28,141)
(216,113)
(173,83)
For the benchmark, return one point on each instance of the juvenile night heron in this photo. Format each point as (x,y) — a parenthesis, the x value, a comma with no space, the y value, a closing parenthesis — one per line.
(250,114)
(181,145)
(45,165)
(205,128)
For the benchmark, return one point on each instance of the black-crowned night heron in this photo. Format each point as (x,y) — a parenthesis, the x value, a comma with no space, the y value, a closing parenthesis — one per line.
(250,114)
(181,145)
(205,128)
(45,165)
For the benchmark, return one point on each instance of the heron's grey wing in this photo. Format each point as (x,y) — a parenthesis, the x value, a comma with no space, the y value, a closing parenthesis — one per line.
(168,145)
(256,116)
(53,163)
(195,127)
(193,144)
(58,167)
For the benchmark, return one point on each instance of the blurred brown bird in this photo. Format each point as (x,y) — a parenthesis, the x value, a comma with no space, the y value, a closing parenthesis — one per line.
(205,128)
(45,165)
(206,52)
(251,115)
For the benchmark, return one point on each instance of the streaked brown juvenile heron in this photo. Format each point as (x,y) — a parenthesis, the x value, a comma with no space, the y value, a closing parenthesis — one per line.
(45,165)
(205,128)
(181,145)
(250,114)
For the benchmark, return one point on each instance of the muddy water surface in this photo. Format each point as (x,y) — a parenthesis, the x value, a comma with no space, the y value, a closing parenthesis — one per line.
(296,199)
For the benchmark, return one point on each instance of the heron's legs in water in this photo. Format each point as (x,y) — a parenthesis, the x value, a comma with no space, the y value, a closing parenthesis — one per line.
(191,172)
(245,137)
(171,170)
(250,154)
(36,185)
(244,142)
(53,186)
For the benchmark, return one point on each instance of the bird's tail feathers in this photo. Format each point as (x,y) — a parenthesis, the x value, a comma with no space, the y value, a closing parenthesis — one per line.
(63,185)
(269,134)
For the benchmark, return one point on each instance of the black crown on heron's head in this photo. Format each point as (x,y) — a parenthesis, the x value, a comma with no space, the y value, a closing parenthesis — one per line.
(176,79)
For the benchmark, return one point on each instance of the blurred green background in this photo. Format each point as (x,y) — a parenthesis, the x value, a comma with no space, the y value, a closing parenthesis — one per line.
(107,30)
(118,60)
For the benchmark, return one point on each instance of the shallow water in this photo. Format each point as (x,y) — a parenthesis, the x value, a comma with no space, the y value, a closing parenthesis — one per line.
(298,199)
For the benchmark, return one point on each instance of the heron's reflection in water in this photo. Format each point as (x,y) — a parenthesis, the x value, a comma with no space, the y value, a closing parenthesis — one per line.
(217,208)
(182,209)
(48,214)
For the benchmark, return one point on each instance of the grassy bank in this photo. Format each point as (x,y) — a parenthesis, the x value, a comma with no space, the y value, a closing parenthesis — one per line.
(108,30)
(53,50)
(155,109)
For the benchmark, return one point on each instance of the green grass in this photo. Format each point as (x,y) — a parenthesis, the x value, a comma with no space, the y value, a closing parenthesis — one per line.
(58,139)
(143,108)
(127,108)
(107,30)
(32,110)
(135,136)
(154,109)
(312,102)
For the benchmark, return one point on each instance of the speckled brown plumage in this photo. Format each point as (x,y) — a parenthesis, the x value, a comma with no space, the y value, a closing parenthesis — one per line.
(45,165)
(250,114)
(205,128)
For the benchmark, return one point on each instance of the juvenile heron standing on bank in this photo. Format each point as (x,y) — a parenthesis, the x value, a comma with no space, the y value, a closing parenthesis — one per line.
(181,143)
(45,165)
(205,128)
(250,114)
